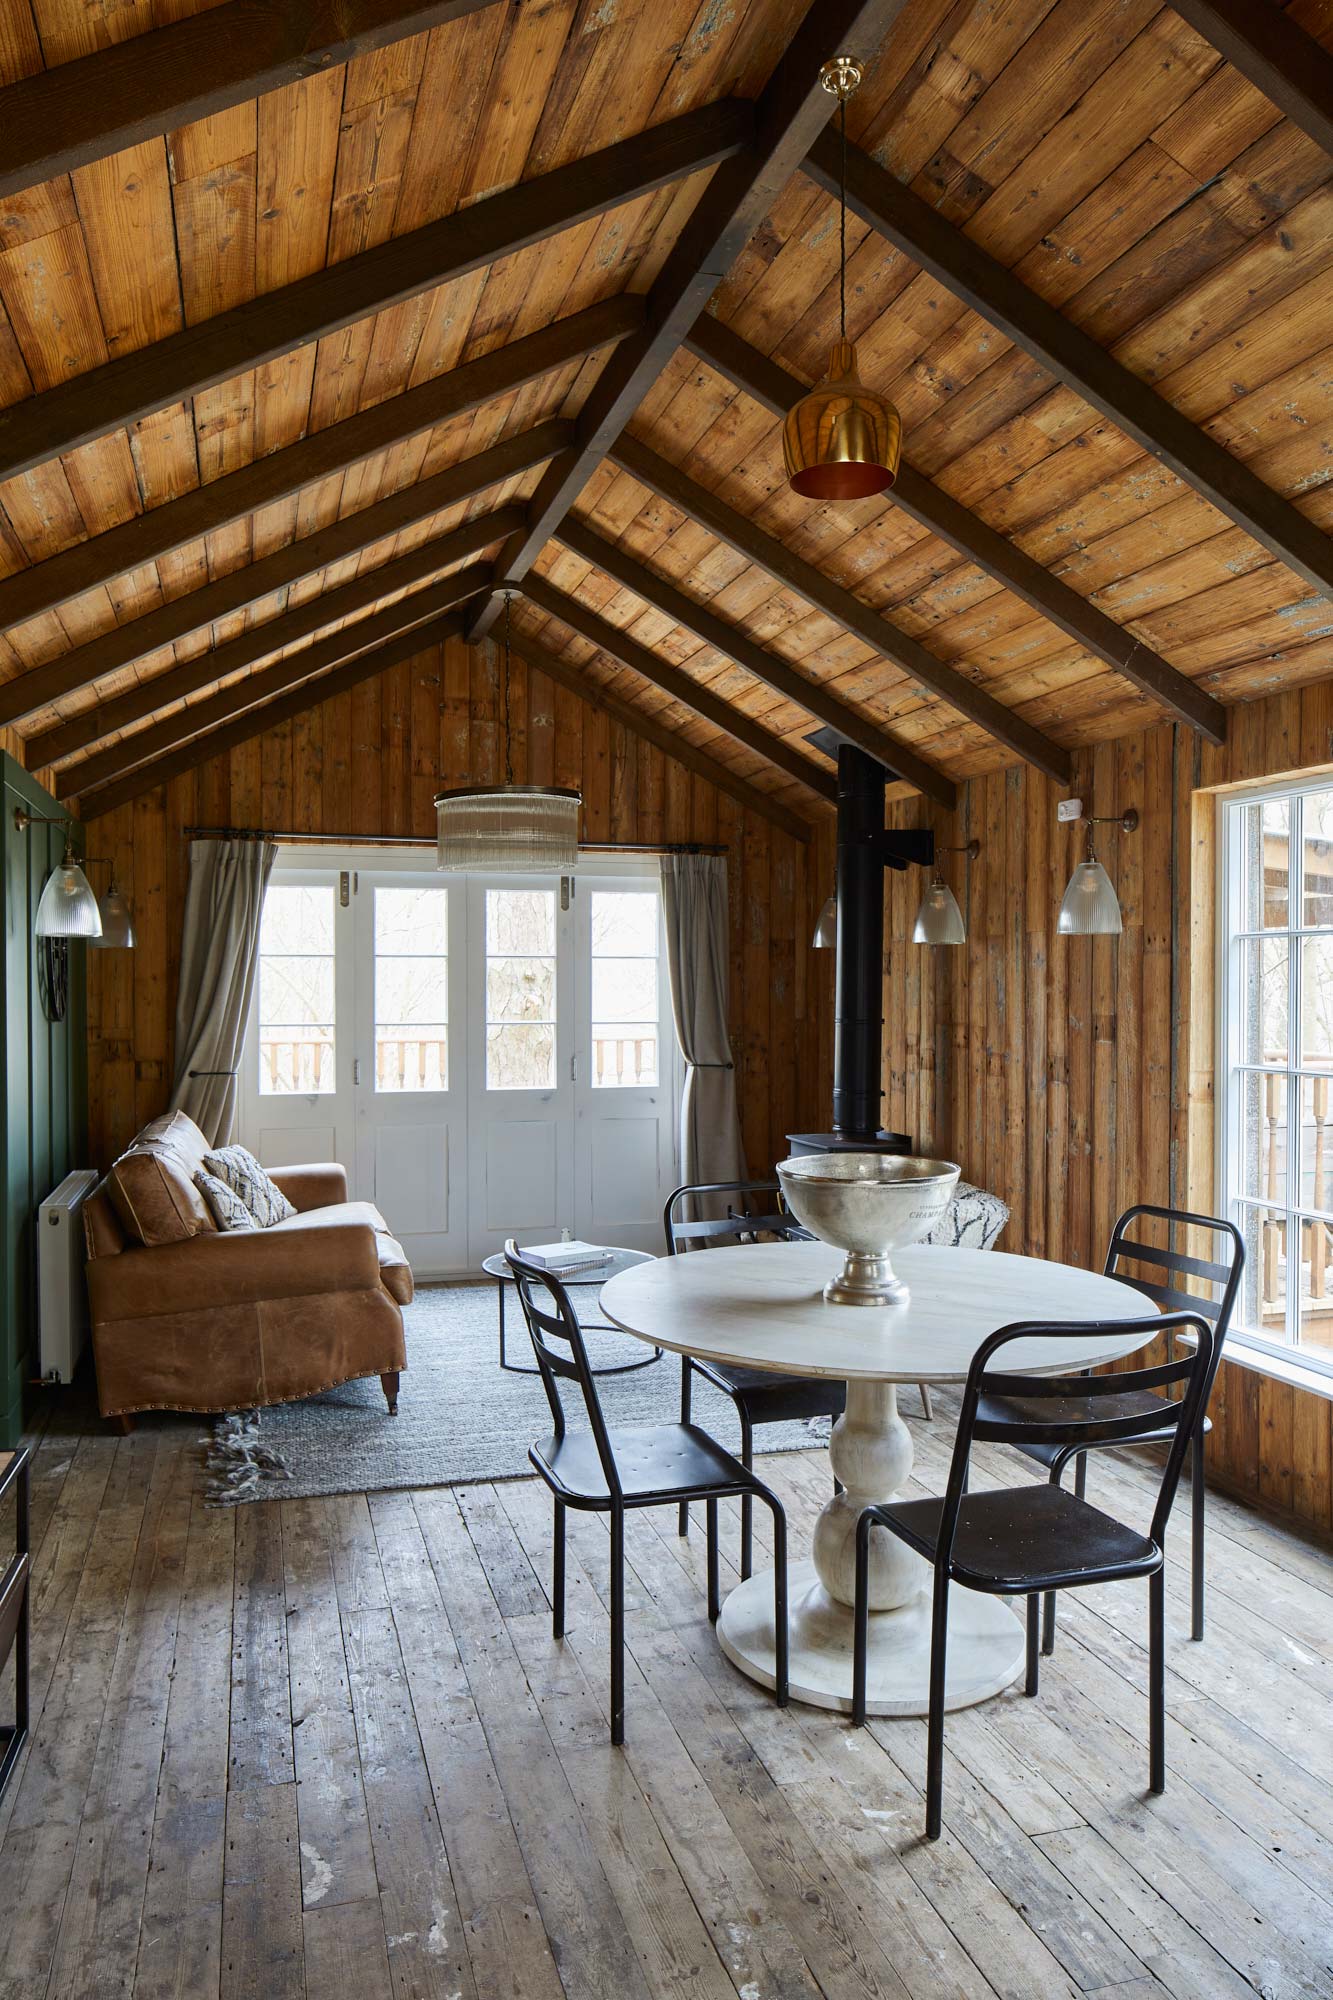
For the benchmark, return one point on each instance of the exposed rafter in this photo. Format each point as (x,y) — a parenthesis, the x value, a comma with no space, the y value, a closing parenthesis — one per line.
(665,740)
(398,625)
(252,582)
(138,89)
(1274,52)
(924,235)
(254,721)
(978,543)
(87,565)
(608,638)
(234,656)
(791,111)
(169,371)
(770,668)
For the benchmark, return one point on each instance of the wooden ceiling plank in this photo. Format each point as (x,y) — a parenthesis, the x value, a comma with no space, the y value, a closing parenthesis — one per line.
(1075,358)
(252,582)
(768,383)
(174,525)
(107,398)
(142,88)
(233,656)
(776,672)
(791,111)
(690,693)
(255,721)
(1283,62)
(385,627)
(668,741)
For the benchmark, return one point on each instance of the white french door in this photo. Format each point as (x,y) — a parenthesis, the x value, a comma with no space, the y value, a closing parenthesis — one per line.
(486,1055)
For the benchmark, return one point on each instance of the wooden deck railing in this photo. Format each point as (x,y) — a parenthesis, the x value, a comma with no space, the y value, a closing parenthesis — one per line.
(299,1067)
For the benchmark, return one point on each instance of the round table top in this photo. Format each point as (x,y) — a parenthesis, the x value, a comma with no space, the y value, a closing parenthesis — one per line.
(761,1305)
(616,1262)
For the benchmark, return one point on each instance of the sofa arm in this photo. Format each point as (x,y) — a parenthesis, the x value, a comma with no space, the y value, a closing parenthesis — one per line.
(234,1267)
(321,1185)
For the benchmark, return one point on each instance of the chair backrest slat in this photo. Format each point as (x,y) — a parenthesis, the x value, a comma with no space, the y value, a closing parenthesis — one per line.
(553,1327)
(1173,1260)
(756,1214)
(1223,1269)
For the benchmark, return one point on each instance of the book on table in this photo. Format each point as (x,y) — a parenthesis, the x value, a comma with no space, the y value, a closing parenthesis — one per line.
(565,1259)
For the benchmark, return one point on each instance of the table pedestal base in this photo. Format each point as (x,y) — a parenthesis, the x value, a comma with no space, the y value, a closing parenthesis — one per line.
(986,1645)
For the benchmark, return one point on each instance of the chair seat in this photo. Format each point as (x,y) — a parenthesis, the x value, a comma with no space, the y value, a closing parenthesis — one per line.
(766,1398)
(1025,1538)
(1077,1410)
(655,1462)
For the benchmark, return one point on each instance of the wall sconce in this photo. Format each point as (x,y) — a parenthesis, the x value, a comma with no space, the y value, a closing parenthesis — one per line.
(1090,906)
(826,929)
(114,910)
(68,907)
(939,919)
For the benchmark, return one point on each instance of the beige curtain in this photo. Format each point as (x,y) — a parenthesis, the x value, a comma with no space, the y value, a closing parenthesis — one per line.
(694,902)
(219,954)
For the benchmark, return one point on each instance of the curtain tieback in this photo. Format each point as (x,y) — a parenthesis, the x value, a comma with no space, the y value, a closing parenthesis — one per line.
(699,1065)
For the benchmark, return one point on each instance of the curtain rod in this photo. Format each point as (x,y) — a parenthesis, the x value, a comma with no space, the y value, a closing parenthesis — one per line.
(418,840)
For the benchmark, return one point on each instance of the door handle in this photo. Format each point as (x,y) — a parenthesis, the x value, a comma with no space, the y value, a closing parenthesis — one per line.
(356,1069)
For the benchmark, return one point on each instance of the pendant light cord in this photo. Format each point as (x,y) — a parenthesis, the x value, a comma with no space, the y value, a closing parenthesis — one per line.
(504,697)
(842,223)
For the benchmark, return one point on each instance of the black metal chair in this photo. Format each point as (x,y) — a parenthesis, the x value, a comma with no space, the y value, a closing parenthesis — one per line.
(1222,1270)
(605,1471)
(757,1395)
(1024,1541)
(14,1614)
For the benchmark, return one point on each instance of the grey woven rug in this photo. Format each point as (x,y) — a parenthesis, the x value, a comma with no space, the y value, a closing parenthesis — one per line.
(459,1418)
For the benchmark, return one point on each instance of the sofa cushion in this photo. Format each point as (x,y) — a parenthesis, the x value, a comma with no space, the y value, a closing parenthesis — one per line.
(226,1208)
(238,1167)
(395,1271)
(151,1185)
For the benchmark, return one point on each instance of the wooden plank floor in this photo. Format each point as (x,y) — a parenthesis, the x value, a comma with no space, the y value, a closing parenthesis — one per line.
(328,1748)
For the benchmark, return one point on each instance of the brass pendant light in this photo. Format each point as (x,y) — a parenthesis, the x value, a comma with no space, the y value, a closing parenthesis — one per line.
(841,441)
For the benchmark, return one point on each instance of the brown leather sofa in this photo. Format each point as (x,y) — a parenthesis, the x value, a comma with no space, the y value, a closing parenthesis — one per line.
(189,1317)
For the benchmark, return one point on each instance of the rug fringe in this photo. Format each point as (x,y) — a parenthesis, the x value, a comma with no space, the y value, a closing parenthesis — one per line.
(238,1463)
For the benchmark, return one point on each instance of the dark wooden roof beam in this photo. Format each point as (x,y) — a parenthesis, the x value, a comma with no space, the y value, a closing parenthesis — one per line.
(168,371)
(1274,53)
(1076,359)
(976,542)
(743,728)
(790,112)
(770,668)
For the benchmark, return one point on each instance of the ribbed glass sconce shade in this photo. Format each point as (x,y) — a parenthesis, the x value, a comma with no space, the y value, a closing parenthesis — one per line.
(117,922)
(1091,907)
(826,930)
(939,919)
(520,829)
(68,907)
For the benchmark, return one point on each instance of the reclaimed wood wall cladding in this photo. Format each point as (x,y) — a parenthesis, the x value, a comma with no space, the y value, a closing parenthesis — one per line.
(368,763)
(1074,1076)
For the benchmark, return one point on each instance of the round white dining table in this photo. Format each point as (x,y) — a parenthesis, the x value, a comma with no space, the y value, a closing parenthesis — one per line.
(762,1306)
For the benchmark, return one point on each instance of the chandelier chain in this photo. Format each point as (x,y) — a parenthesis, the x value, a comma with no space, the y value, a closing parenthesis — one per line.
(842,222)
(504,696)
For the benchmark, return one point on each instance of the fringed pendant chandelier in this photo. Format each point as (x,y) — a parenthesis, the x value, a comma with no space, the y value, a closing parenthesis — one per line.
(841,441)
(518,829)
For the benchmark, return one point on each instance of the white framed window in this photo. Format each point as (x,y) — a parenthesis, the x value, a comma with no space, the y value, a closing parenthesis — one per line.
(1275,1061)
(624,935)
(411,952)
(296,1001)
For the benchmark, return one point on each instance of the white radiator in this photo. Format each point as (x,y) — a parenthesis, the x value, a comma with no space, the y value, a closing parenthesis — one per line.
(62,1291)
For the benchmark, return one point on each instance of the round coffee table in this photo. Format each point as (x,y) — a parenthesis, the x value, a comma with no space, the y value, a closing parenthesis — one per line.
(761,1305)
(617,1261)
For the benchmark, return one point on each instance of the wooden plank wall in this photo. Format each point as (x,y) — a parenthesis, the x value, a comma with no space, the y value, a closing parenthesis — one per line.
(1074,1075)
(369,762)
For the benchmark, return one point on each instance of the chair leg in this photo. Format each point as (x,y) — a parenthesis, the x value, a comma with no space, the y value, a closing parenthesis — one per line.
(861,1620)
(617,1625)
(558,1574)
(782,1663)
(683,1521)
(1081,1475)
(927,1403)
(747,1501)
(1034,1635)
(1048,1600)
(1196,1545)
(1157,1681)
(714,1594)
(939,1648)
(389,1384)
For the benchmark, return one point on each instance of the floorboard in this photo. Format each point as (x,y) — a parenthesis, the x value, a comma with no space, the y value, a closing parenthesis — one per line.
(328,1747)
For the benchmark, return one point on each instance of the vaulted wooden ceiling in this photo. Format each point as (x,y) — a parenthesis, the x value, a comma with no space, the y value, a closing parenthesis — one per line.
(314,338)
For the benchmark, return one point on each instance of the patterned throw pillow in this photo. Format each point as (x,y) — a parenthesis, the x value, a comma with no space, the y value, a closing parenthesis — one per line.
(245,1177)
(227,1209)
